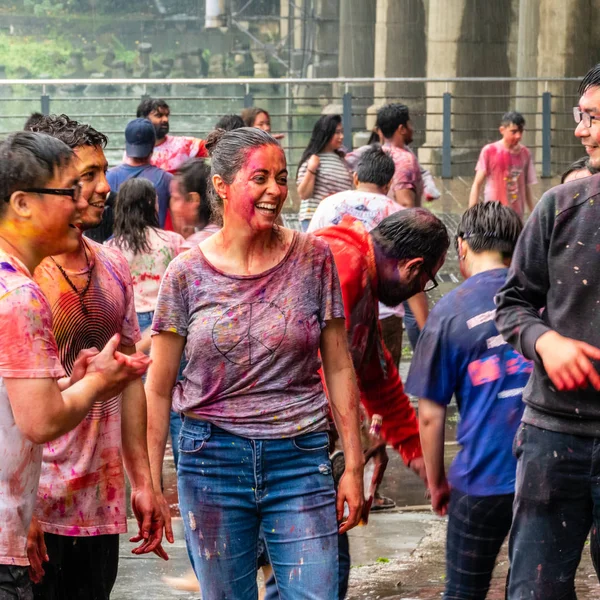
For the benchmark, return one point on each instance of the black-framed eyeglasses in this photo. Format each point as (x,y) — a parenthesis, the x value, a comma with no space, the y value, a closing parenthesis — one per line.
(431,284)
(74,192)
(583,117)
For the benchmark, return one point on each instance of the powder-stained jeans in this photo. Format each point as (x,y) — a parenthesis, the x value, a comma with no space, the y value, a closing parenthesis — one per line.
(230,486)
(557,499)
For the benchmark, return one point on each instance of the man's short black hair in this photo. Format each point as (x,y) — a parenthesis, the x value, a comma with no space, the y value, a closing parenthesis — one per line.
(579,165)
(413,233)
(513,117)
(490,227)
(375,166)
(390,117)
(149,105)
(591,79)
(230,122)
(29,160)
(72,133)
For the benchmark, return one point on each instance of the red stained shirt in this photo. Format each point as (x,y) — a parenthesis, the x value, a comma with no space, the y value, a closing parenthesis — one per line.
(381,388)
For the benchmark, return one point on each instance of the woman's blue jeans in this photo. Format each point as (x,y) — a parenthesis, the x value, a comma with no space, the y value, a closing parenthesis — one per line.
(231,489)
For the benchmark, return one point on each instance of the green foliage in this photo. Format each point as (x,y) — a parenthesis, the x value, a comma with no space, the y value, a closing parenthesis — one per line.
(38,56)
(382,560)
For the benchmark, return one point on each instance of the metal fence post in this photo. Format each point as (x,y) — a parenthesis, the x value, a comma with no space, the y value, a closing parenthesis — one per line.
(546,134)
(45,104)
(248,100)
(347,119)
(447,136)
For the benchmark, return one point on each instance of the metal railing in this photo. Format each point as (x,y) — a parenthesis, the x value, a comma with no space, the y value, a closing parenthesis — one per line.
(453,117)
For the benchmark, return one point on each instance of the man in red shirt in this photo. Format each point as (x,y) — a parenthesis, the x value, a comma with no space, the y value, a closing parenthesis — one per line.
(170,151)
(391,263)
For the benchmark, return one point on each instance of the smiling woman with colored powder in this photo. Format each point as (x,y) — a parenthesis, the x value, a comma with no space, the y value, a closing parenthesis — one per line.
(253,305)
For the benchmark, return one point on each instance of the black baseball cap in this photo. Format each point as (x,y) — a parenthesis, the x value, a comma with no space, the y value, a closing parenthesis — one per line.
(140,138)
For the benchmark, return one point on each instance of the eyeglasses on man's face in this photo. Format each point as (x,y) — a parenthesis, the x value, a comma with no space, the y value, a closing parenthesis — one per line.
(431,284)
(74,192)
(583,117)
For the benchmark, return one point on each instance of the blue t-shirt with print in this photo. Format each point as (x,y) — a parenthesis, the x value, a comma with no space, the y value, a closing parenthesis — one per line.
(461,353)
(160,179)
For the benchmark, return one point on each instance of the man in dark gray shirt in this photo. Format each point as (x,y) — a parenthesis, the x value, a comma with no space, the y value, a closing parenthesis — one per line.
(549,310)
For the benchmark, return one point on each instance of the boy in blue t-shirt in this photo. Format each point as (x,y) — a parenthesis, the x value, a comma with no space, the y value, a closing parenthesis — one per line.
(461,353)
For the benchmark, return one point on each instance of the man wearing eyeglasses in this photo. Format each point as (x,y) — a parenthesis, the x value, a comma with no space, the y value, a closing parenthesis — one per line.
(549,311)
(391,263)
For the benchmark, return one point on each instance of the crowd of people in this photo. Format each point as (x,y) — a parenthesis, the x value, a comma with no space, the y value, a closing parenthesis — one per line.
(164,296)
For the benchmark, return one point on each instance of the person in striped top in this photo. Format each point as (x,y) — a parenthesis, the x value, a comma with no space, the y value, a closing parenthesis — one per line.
(323,170)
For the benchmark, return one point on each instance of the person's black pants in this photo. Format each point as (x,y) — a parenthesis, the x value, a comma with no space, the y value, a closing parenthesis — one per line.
(15,583)
(477,528)
(82,568)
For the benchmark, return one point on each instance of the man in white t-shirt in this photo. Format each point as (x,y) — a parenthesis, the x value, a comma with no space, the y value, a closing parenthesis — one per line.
(40,207)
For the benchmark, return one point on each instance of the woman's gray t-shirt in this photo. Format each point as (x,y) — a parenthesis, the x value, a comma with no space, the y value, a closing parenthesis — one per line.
(252,342)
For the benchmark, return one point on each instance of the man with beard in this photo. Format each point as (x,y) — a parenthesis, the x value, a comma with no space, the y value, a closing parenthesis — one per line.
(391,263)
(81,499)
(170,151)
(393,121)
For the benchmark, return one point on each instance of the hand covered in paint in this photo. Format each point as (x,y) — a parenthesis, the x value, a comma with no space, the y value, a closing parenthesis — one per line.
(350,491)
(440,497)
(567,361)
(36,551)
(417,465)
(314,162)
(165,510)
(80,366)
(150,523)
(116,369)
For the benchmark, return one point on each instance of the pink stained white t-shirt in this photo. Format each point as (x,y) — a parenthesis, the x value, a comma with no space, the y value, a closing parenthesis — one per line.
(176,150)
(200,236)
(367,207)
(252,342)
(407,172)
(508,173)
(27,350)
(82,484)
(147,268)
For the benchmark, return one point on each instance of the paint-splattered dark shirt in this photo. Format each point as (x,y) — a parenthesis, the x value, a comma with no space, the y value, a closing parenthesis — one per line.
(252,342)
(556,267)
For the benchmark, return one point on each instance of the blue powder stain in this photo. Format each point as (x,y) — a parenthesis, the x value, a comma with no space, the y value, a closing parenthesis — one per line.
(7,267)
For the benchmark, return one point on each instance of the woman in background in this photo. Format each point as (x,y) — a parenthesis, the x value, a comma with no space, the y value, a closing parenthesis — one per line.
(322,170)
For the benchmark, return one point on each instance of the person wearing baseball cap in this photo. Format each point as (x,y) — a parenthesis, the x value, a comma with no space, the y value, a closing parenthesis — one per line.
(140,138)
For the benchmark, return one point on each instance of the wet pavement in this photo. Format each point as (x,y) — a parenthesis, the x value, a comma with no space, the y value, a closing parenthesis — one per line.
(400,553)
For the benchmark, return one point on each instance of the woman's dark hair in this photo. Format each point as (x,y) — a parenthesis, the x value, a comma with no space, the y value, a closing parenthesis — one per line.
(29,160)
(194,176)
(579,165)
(228,151)
(413,233)
(322,132)
(230,122)
(135,211)
(249,115)
(375,166)
(490,227)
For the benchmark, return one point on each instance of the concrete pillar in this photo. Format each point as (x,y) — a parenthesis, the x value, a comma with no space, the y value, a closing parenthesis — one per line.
(443,32)
(564,50)
(526,100)
(467,38)
(357,53)
(400,51)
